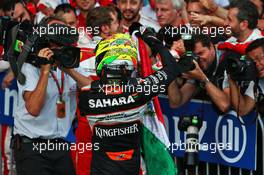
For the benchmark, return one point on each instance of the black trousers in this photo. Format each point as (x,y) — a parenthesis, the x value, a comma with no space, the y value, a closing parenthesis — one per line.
(30,160)
(117,154)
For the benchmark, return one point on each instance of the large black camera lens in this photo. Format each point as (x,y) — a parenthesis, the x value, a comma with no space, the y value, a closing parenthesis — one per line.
(188,42)
(68,56)
(234,66)
(240,67)
(186,61)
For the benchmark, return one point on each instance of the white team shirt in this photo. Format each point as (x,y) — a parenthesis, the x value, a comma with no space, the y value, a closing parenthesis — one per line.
(46,125)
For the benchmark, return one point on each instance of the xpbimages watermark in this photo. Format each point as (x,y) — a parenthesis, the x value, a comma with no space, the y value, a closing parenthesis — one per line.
(212,147)
(64,30)
(64,146)
(183,30)
(147,89)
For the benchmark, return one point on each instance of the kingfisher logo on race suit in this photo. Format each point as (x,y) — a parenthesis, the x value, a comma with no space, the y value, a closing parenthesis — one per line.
(112,132)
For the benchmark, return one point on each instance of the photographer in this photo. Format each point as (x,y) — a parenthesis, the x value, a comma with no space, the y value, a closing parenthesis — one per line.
(244,102)
(206,78)
(46,108)
(17,11)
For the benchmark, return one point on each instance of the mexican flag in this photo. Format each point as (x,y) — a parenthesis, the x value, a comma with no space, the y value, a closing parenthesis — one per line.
(154,139)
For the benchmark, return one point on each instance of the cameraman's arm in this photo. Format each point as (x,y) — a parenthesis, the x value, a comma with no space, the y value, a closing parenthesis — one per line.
(179,96)
(218,96)
(79,78)
(243,104)
(34,100)
(174,94)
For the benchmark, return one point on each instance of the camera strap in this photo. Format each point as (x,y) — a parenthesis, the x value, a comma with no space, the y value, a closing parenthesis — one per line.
(60,104)
(10,53)
(218,60)
(213,68)
(23,56)
(60,88)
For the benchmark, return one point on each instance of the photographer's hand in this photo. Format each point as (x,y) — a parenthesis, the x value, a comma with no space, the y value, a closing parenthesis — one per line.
(242,103)
(197,73)
(218,96)
(45,53)
(34,100)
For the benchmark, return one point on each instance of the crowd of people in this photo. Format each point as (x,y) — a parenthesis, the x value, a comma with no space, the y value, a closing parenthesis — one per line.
(55,99)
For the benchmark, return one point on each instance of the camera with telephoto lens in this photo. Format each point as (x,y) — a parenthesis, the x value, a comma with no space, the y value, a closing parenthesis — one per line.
(187,58)
(168,34)
(192,125)
(188,42)
(22,39)
(240,67)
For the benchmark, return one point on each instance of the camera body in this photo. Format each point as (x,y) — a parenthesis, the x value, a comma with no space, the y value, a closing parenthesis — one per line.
(186,60)
(192,125)
(240,67)
(14,36)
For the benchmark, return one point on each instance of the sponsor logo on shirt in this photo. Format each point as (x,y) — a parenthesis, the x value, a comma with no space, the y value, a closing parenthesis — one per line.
(110,102)
(101,132)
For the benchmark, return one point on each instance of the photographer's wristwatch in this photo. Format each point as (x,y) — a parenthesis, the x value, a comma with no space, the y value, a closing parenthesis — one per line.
(204,82)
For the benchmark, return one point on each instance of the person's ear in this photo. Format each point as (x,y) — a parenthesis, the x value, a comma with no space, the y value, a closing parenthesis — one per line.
(243,25)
